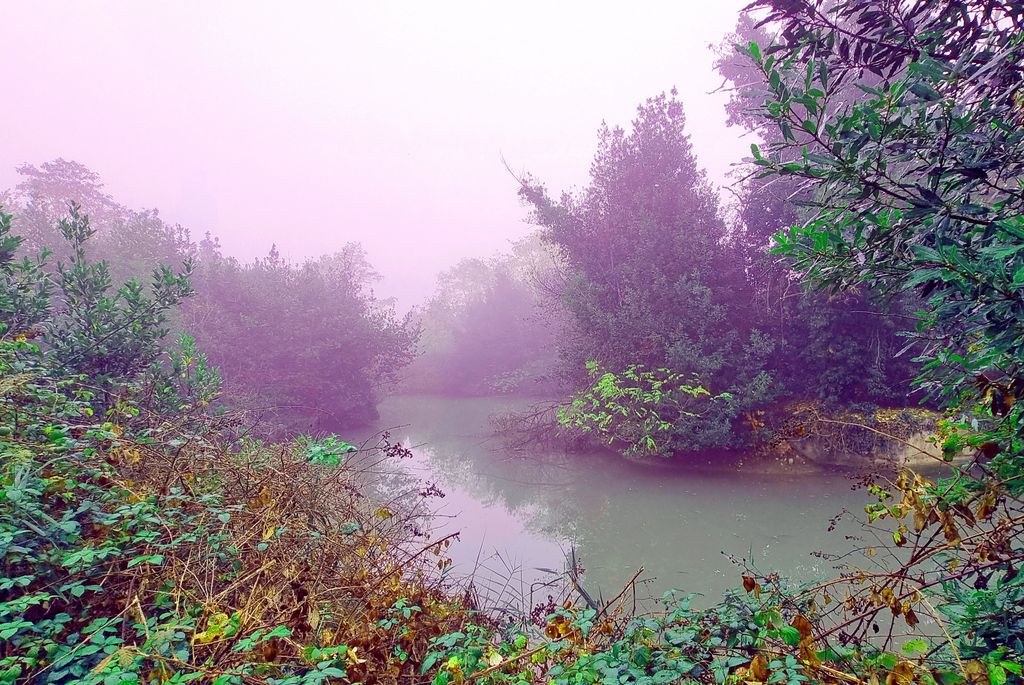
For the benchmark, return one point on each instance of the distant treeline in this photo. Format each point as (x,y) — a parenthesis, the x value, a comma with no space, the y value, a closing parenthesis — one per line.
(308,345)
(491,327)
(633,292)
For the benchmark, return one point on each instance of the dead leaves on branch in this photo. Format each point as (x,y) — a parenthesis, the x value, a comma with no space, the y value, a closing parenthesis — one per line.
(295,563)
(940,536)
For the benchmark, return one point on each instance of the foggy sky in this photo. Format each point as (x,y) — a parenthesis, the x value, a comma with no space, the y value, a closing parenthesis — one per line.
(310,124)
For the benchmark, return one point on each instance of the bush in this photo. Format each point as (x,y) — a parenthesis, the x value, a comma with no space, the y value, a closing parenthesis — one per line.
(135,547)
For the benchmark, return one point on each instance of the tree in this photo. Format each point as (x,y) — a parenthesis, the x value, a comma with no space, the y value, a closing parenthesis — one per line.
(309,341)
(651,276)
(842,348)
(25,287)
(915,186)
(42,198)
(132,242)
(306,340)
(87,327)
(105,333)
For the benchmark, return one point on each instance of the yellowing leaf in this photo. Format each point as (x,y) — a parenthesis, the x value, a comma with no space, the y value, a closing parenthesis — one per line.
(759,668)
(902,674)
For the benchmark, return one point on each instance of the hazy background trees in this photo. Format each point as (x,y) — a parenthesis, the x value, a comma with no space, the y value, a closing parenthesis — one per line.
(492,327)
(308,343)
(309,346)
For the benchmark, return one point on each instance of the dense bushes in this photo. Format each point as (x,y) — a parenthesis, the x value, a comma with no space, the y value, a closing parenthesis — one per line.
(308,345)
(138,548)
(651,274)
(141,541)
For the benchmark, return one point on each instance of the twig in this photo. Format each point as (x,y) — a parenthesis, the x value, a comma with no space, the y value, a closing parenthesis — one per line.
(616,598)
(506,662)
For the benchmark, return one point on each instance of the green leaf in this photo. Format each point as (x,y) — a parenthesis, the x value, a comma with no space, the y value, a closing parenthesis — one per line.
(927,254)
(154,559)
(1013,667)
(925,92)
(917,646)
(429,661)
(790,635)
(279,631)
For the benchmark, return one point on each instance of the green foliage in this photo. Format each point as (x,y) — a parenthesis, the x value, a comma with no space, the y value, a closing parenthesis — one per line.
(110,335)
(95,567)
(25,290)
(137,545)
(328,451)
(915,189)
(740,638)
(913,174)
(640,411)
(185,380)
(52,509)
(652,275)
(308,345)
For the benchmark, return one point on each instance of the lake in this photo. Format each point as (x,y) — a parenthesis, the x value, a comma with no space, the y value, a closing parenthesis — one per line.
(519,514)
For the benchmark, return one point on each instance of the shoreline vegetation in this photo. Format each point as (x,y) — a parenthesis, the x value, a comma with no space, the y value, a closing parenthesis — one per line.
(151,534)
(794,437)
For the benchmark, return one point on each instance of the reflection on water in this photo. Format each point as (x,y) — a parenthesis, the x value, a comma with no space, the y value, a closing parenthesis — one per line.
(525,511)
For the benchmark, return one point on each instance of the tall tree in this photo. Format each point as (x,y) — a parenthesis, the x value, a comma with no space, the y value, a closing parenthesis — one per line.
(651,277)
(41,199)
(639,239)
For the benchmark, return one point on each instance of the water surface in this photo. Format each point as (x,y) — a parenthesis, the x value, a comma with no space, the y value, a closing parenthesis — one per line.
(519,514)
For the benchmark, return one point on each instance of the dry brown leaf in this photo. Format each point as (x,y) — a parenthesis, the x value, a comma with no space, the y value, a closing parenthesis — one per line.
(802,625)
